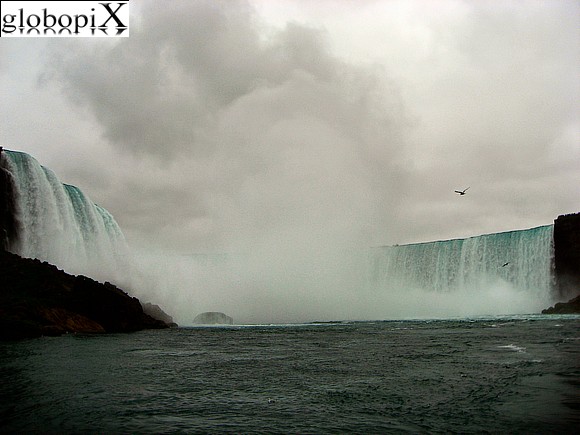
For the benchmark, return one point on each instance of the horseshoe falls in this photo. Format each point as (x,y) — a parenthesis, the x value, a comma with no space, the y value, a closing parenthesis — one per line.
(58,223)
(446,279)
(501,273)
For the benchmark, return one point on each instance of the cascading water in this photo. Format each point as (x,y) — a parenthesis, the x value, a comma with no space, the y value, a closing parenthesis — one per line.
(59,224)
(516,261)
(504,273)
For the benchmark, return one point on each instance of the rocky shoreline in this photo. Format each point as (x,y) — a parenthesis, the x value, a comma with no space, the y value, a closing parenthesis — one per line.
(39,299)
(570,307)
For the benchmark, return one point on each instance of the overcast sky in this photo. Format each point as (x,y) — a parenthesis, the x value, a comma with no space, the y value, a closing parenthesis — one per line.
(222,126)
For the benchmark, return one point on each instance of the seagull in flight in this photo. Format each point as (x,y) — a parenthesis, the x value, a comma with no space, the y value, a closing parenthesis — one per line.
(462,192)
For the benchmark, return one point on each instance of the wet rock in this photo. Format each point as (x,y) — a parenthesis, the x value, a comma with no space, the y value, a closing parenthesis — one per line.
(156,312)
(36,299)
(570,307)
(567,254)
(213,318)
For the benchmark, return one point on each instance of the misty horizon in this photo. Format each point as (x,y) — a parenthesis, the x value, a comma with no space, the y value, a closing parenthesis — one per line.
(294,131)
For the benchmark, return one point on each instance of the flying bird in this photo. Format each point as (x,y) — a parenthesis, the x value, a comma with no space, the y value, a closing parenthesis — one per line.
(462,192)
(505,264)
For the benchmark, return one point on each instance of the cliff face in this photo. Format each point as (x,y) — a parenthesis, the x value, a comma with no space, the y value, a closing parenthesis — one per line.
(567,254)
(38,299)
(156,312)
(570,307)
(8,221)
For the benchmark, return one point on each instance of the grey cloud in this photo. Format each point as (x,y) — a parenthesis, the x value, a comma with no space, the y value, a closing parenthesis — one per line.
(160,90)
(297,141)
(263,131)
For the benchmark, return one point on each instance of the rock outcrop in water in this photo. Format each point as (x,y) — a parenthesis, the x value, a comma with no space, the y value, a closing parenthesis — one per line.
(213,318)
(38,299)
(570,307)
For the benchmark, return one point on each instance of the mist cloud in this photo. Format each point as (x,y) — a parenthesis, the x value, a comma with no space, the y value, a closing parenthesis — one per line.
(264,135)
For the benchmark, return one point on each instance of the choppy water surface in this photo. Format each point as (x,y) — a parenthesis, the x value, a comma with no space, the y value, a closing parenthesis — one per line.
(506,375)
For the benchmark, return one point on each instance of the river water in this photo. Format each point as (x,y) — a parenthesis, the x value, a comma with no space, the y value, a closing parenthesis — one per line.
(487,375)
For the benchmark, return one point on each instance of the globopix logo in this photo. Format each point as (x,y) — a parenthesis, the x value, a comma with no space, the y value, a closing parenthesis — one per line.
(49,19)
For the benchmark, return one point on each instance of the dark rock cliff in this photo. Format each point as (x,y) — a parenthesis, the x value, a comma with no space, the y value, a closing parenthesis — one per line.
(570,307)
(156,312)
(8,221)
(567,254)
(38,299)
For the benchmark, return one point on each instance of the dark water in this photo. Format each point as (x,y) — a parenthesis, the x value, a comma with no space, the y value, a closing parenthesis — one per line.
(501,375)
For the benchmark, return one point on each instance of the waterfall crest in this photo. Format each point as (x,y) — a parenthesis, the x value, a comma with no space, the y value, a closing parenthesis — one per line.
(58,223)
(523,258)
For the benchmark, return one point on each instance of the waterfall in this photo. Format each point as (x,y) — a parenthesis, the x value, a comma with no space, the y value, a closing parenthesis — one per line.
(58,223)
(502,273)
(523,259)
